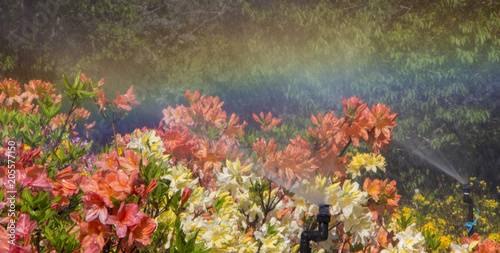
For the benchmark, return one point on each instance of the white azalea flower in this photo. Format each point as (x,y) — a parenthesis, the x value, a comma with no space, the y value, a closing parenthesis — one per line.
(410,240)
(180,178)
(459,249)
(359,224)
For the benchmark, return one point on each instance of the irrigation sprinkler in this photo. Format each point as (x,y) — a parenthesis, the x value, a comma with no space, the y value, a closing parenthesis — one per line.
(470,215)
(323,219)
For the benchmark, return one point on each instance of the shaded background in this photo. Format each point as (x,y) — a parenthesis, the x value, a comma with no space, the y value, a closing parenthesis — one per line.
(435,63)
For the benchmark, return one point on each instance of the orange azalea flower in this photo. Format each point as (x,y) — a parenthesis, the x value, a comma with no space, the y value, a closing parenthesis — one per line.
(328,131)
(122,101)
(88,127)
(383,239)
(12,92)
(26,158)
(142,232)
(84,79)
(268,122)
(329,163)
(470,239)
(193,98)
(177,116)
(353,106)
(26,176)
(108,161)
(359,126)
(65,186)
(99,186)
(263,149)
(59,120)
(42,182)
(131,161)
(81,114)
(127,216)
(94,232)
(211,154)
(179,142)
(282,213)
(293,162)
(4,240)
(233,130)
(37,89)
(486,246)
(92,246)
(372,188)
(207,112)
(96,207)
(2,98)
(249,233)
(384,123)
(384,198)
(120,183)
(101,100)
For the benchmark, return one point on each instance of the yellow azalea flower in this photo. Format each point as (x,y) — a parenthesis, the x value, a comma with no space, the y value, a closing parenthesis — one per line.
(354,168)
(495,237)
(445,242)
(450,200)
(441,221)
(370,164)
(380,162)
(483,185)
(491,203)
(406,210)
(430,226)
(368,161)
(419,197)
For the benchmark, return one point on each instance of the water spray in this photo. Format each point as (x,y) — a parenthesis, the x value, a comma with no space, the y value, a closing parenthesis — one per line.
(470,215)
(323,219)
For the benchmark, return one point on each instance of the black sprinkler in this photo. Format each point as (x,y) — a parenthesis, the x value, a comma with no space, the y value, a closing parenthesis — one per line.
(470,214)
(323,219)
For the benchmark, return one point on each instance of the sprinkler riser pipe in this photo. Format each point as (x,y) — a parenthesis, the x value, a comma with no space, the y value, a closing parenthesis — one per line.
(323,219)
(470,206)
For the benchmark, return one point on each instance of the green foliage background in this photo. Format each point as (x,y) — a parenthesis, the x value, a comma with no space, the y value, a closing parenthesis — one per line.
(436,63)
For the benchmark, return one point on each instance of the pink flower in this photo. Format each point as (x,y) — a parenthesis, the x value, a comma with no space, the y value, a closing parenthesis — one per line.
(127,216)
(25,227)
(96,207)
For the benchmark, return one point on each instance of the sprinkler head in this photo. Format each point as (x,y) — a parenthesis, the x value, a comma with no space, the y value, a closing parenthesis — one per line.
(467,189)
(323,215)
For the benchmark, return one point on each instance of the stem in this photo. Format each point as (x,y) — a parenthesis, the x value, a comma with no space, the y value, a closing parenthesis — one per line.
(59,139)
(119,245)
(331,136)
(345,148)
(114,134)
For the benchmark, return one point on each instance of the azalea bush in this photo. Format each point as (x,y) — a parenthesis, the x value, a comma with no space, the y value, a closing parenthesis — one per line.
(199,182)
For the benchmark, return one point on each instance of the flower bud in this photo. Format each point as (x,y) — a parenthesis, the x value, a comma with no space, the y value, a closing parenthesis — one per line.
(185,195)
